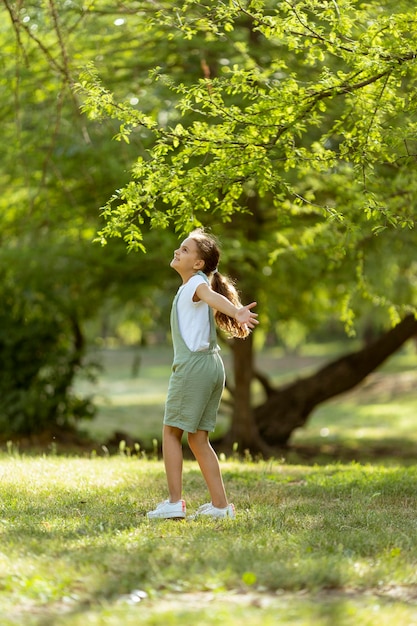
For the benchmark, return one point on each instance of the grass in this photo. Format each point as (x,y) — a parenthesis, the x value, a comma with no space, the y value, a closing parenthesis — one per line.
(314,545)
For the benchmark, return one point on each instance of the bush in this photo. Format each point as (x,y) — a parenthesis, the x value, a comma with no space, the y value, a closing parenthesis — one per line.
(41,351)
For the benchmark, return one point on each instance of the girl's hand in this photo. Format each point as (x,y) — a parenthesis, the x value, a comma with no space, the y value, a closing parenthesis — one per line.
(246,317)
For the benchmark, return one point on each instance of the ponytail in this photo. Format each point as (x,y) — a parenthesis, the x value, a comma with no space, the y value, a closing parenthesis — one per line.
(210,254)
(225,286)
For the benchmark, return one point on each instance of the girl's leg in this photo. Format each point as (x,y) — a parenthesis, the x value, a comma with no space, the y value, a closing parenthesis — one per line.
(172,453)
(209,465)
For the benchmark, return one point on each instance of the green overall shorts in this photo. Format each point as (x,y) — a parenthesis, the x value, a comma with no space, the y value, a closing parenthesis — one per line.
(196,382)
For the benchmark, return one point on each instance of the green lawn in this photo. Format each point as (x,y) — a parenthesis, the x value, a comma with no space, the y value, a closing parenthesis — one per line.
(310,545)
(315,543)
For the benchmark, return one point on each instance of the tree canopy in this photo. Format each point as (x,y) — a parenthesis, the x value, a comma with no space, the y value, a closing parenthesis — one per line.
(299,135)
(300,117)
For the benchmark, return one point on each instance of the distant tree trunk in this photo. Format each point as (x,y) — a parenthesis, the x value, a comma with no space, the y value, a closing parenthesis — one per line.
(243,429)
(289,407)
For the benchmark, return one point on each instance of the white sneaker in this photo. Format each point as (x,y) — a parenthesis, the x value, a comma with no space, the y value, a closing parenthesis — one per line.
(208,510)
(169,510)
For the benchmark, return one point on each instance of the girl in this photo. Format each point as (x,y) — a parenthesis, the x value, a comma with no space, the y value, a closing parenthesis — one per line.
(197,379)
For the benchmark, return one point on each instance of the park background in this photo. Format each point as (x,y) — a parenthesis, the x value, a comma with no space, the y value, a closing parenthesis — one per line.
(289,130)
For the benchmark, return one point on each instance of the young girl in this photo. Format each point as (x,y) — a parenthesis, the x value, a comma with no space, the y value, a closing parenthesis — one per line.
(197,378)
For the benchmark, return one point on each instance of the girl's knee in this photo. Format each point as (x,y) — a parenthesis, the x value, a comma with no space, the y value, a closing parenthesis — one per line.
(198,439)
(172,431)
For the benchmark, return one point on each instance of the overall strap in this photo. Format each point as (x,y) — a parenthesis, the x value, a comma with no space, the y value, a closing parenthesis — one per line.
(213,333)
(180,347)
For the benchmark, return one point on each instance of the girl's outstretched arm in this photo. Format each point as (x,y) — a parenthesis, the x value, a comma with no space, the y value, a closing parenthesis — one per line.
(243,315)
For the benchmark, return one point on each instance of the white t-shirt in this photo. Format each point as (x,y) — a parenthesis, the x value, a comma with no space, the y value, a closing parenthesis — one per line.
(193,317)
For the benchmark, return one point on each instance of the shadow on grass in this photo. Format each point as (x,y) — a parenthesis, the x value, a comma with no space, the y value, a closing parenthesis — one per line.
(384,451)
(319,450)
(97,549)
(94,546)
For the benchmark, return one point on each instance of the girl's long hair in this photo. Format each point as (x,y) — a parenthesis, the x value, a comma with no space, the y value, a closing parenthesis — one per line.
(210,254)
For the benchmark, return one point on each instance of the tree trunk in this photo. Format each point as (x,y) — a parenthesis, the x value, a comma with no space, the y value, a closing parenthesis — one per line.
(244,430)
(288,408)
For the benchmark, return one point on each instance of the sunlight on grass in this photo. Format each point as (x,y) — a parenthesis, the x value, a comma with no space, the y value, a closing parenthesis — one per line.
(313,543)
(345,421)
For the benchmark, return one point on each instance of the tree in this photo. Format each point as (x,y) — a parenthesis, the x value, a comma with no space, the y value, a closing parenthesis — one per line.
(295,402)
(55,170)
(290,128)
(299,135)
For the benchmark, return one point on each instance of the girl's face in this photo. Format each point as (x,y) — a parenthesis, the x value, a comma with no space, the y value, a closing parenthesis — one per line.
(186,259)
